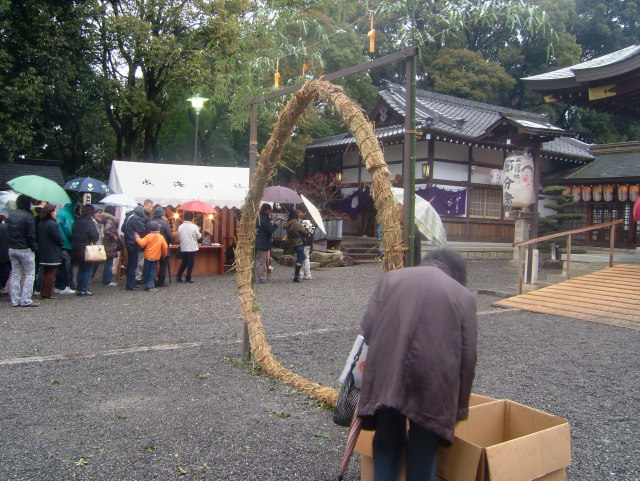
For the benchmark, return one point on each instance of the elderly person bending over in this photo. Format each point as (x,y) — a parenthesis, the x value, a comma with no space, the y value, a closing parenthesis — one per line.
(420,326)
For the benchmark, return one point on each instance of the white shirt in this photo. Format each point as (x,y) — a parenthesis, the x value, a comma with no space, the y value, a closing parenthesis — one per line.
(188,233)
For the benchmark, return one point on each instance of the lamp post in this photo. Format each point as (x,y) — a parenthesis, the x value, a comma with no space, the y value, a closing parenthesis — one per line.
(196,102)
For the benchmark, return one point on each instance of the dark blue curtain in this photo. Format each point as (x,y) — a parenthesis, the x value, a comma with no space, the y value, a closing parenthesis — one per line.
(355,202)
(445,202)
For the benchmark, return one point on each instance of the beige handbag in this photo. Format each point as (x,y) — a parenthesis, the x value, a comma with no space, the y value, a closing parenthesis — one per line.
(95,253)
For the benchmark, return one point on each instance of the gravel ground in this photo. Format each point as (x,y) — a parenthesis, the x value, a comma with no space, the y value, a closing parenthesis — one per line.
(151,385)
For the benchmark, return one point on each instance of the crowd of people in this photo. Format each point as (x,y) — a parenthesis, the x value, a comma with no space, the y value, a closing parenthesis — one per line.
(41,247)
(299,228)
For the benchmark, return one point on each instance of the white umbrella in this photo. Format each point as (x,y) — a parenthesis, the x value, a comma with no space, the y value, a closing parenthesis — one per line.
(315,213)
(119,200)
(427,219)
(7,201)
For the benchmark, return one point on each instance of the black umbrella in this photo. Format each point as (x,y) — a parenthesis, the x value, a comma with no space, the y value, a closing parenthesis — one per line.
(87,185)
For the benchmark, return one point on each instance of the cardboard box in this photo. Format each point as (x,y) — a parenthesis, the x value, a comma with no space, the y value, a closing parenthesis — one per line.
(500,441)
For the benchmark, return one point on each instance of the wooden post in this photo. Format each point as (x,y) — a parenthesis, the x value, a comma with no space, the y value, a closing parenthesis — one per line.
(612,241)
(520,251)
(569,256)
(537,167)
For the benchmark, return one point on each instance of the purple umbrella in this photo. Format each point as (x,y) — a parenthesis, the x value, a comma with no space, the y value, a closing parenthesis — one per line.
(281,195)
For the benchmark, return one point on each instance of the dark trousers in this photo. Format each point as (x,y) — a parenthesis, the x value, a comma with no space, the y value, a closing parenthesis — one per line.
(188,261)
(5,271)
(389,443)
(64,276)
(149,273)
(162,269)
(132,264)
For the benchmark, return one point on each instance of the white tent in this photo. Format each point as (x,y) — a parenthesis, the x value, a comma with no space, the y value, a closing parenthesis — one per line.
(173,184)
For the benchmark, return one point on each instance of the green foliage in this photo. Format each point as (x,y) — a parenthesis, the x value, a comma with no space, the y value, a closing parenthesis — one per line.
(467,74)
(89,81)
(605,26)
(565,208)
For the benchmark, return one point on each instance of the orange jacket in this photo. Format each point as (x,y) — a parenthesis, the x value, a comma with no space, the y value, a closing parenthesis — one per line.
(155,246)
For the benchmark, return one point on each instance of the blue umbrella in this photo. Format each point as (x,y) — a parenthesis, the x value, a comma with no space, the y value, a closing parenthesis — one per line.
(87,185)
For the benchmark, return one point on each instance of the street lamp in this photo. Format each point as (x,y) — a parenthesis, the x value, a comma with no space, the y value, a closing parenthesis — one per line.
(196,102)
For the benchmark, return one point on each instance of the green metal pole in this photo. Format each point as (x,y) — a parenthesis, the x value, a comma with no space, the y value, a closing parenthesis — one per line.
(409,165)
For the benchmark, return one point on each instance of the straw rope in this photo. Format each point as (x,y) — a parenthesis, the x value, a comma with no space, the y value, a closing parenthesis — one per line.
(383,198)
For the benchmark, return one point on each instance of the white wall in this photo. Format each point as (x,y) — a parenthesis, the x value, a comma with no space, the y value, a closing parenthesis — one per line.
(447,171)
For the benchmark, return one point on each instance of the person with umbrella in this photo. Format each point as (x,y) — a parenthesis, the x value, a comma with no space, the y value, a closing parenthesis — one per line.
(5,262)
(84,233)
(65,283)
(111,242)
(264,231)
(50,248)
(296,234)
(189,234)
(22,249)
(303,214)
(420,328)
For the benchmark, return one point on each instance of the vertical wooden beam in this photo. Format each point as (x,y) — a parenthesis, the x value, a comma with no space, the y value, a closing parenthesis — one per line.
(537,167)
(409,161)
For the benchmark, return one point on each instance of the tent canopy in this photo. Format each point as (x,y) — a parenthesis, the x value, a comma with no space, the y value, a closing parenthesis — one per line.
(173,184)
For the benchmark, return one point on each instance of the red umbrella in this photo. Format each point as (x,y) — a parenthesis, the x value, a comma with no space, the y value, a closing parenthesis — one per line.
(354,432)
(198,206)
(636,210)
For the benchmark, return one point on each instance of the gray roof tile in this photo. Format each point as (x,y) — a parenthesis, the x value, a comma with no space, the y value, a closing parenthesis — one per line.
(459,118)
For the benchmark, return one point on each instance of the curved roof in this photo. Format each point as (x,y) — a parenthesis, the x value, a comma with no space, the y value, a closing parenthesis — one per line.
(462,119)
(609,84)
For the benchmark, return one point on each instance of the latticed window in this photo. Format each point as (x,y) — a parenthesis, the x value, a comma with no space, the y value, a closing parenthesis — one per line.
(485,203)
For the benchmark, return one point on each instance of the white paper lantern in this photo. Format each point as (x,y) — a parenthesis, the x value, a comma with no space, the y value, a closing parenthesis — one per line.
(576,191)
(517,180)
(607,193)
(634,192)
(586,193)
(494,176)
(623,193)
(597,193)
(567,190)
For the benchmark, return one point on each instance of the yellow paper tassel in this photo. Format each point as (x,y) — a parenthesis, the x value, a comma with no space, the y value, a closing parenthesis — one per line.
(372,36)
(276,77)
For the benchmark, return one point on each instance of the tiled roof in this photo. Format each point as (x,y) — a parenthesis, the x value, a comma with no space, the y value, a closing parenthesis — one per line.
(453,115)
(459,118)
(605,60)
(44,168)
(623,165)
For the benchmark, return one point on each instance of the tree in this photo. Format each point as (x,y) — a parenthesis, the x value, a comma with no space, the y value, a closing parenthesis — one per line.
(604,26)
(565,208)
(47,106)
(466,74)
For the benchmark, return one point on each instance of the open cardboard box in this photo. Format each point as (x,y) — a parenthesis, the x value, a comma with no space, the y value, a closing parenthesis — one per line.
(500,441)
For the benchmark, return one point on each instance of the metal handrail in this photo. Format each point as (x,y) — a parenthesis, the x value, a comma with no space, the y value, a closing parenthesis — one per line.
(568,233)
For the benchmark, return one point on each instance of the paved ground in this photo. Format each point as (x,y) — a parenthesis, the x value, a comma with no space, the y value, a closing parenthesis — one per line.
(137,386)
